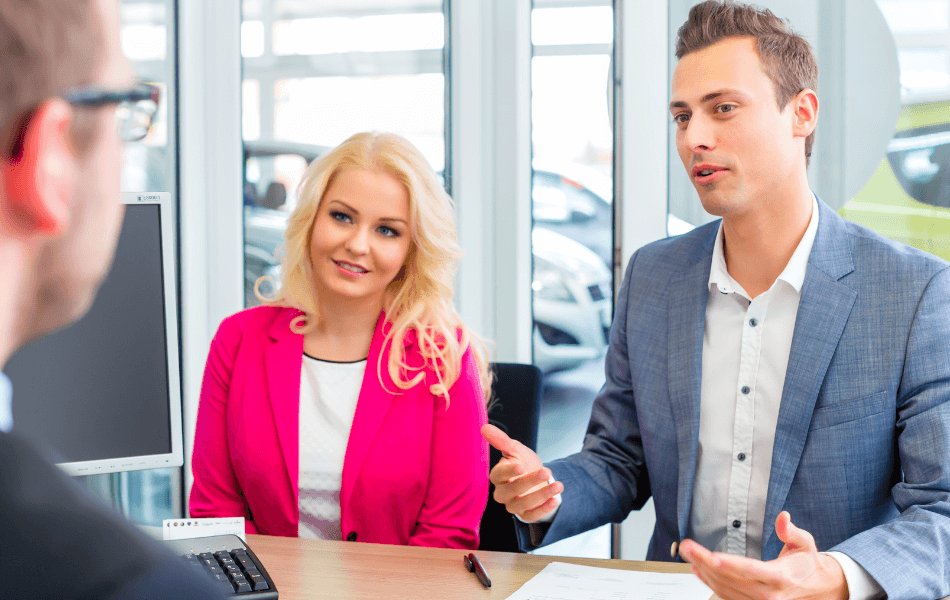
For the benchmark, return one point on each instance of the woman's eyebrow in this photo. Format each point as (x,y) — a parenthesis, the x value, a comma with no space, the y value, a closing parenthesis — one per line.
(345,205)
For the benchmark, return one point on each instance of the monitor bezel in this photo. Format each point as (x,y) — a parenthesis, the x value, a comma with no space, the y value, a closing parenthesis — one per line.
(175,458)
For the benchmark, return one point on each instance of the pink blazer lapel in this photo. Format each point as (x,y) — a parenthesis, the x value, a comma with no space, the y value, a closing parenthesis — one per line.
(283,361)
(374,402)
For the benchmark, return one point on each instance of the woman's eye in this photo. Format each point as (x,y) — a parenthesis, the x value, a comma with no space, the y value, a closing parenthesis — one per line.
(388,231)
(340,216)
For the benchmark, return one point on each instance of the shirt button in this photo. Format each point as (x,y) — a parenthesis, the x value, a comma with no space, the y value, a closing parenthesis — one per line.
(753,322)
(737,523)
(741,456)
(746,389)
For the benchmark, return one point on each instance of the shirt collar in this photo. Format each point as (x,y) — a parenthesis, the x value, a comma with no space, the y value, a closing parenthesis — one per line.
(6,405)
(793,274)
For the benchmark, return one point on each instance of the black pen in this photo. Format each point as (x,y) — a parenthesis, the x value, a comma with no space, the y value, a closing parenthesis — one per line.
(475,566)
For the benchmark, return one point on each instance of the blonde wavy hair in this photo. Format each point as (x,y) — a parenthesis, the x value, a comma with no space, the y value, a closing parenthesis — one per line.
(419,299)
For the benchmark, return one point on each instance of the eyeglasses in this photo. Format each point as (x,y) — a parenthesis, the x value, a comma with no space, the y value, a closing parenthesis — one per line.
(135,110)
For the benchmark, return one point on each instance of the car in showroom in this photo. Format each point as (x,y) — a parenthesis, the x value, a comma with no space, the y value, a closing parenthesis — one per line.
(574,200)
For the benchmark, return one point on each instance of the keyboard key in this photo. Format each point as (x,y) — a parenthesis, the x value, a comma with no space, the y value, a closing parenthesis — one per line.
(252,573)
(222,554)
(258,584)
(241,585)
(233,570)
(206,555)
(214,569)
(245,562)
(220,578)
(226,562)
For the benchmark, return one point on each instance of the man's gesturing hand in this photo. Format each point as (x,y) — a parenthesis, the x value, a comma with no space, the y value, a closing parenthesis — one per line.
(522,483)
(798,572)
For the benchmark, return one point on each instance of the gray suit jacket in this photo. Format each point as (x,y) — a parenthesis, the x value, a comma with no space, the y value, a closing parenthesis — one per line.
(862,447)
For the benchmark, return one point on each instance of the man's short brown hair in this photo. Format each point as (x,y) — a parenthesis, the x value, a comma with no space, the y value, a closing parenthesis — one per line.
(786,56)
(46,47)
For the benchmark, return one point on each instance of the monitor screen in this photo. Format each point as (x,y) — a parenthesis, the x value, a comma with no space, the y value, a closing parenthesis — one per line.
(103,394)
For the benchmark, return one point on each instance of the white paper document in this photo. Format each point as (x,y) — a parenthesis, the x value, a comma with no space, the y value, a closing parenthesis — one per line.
(563,581)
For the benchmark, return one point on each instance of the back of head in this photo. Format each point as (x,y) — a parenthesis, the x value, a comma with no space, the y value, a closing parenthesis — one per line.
(57,221)
(46,48)
(786,56)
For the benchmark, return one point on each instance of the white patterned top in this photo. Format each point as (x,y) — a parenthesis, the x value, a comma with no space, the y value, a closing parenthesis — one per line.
(328,395)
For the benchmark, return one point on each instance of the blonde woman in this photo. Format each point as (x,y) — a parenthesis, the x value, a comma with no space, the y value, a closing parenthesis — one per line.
(349,405)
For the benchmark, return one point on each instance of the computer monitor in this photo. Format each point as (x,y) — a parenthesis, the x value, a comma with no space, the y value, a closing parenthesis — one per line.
(104,394)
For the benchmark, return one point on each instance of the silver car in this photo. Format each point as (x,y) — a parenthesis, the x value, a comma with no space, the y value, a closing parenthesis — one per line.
(572,301)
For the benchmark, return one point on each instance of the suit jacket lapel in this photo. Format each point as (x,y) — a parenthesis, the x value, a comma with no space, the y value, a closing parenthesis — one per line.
(371,408)
(283,361)
(823,312)
(689,292)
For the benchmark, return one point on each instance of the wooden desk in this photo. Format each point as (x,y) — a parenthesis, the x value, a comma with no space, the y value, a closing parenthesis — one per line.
(320,569)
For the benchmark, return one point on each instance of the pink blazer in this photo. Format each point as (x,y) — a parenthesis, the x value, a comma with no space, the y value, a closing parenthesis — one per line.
(413,473)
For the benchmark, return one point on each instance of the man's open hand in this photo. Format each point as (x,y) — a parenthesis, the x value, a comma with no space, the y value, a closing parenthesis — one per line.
(522,483)
(799,571)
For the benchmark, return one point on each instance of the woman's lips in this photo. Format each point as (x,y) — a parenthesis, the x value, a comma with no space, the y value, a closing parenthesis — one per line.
(350,269)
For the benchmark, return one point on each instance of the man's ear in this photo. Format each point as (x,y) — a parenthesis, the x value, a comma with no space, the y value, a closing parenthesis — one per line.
(805,112)
(38,184)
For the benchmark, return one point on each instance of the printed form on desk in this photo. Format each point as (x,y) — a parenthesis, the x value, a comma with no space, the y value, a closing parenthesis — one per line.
(563,581)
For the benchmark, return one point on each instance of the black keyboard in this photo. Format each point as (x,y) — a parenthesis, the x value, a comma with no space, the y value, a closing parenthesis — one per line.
(227,560)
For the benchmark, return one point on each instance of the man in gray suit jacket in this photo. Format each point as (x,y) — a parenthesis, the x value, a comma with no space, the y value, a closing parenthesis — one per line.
(778,365)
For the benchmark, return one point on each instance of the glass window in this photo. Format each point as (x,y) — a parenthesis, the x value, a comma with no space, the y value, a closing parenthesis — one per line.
(915,17)
(572,25)
(908,197)
(376,33)
(924,70)
(252,38)
(326,110)
(315,74)
(572,232)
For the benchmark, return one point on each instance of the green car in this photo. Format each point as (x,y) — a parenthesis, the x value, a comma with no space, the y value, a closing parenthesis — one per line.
(908,197)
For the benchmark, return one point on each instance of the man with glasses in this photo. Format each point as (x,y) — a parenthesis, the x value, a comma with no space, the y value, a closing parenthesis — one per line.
(67,101)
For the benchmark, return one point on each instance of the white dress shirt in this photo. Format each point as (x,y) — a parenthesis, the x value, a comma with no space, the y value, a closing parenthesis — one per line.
(746,344)
(6,405)
(328,395)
